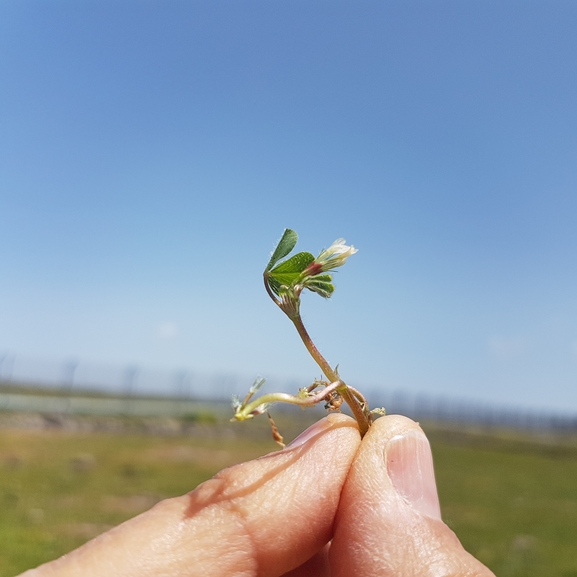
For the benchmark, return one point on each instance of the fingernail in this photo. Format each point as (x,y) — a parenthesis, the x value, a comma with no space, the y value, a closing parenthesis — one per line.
(410,467)
(311,432)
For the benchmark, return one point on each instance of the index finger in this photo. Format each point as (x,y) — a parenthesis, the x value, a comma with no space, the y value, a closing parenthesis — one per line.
(261,518)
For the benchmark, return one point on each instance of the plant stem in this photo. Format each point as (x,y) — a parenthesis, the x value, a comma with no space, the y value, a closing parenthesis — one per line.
(362,419)
(246,410)
(269,292)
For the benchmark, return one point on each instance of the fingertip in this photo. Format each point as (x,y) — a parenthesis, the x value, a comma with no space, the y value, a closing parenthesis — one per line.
(330,422)
(385,428)
(388,521)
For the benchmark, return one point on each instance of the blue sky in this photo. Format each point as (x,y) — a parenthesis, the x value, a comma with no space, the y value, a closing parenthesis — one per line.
(151,153)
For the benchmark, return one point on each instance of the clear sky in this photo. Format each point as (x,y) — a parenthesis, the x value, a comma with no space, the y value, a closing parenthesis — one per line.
(151,154)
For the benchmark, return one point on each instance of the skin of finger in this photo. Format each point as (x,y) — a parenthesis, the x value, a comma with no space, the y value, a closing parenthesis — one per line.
(378,533)
(316,566)
(261,518)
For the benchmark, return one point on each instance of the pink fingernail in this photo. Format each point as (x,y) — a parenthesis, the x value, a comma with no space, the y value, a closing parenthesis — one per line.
(410,467)
(309,433)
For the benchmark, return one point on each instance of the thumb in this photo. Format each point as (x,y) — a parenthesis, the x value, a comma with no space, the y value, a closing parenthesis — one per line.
(389,520)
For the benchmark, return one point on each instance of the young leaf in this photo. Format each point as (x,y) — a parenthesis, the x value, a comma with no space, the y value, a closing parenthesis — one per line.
(323,288)
(287,242)
(274,285)
(289,270)
(322,278)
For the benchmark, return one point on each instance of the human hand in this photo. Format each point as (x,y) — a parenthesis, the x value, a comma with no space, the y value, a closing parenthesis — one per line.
(388,522)
(275,516)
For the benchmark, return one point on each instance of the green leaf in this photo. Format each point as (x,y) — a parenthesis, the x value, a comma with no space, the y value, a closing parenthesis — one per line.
(295,264)
(322,288)
(288,271)
(321,284)
(274,285)
(285,245)
(322,278)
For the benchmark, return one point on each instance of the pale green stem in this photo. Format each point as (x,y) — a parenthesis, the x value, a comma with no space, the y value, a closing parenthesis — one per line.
(244,412)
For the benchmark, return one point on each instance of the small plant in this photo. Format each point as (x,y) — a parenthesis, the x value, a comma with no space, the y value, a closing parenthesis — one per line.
(284,281)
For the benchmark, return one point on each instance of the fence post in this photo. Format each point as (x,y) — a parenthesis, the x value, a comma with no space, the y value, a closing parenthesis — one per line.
(130,375)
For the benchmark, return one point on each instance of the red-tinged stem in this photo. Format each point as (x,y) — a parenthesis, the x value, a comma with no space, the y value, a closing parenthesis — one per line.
(269,291)
(342,389)
(363,418)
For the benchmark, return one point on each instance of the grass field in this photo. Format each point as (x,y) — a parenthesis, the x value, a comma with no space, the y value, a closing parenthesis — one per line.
(512,501)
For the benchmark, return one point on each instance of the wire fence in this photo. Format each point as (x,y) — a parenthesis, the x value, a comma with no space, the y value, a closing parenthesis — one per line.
(75,377)
(74,386)
(443,409)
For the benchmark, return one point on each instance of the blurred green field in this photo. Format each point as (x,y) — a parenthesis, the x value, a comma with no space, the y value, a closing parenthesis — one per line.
(511,500)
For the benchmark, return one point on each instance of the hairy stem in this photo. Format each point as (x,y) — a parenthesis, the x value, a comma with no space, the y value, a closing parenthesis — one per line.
(309,401)
(269,292)
(362,418)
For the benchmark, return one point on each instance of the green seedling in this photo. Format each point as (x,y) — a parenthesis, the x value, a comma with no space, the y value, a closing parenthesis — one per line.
(284,281)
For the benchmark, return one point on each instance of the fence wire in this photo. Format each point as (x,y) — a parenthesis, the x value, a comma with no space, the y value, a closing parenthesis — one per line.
(74,386)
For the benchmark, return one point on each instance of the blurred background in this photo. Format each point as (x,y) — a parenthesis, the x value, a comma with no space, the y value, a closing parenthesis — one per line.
(152,153)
